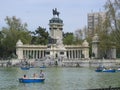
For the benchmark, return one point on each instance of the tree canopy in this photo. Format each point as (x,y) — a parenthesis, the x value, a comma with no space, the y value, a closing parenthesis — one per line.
(10,34)
(40,36)
(68,38)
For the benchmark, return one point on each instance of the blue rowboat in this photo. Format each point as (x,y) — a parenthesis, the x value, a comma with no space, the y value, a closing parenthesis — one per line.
(99,69)
(25,68)
(112,70)
(118,70)
(31,80)
(42,66)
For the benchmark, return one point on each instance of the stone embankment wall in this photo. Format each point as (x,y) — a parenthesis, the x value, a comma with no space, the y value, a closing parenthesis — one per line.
(69,63)
(92,63)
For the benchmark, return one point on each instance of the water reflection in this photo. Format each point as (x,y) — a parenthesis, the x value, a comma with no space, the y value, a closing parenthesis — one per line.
(58,79)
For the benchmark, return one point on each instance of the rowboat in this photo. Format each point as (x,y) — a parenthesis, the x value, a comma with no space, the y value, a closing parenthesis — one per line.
(118,70)
(100,69)
(31,80)
(109,70)
(103,69)
(25,68)
(42,66)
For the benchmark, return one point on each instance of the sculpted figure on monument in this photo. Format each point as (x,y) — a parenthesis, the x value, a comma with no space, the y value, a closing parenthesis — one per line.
(55,12)
(59,42)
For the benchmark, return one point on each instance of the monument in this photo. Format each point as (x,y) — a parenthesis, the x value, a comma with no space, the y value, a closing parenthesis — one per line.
(55,49)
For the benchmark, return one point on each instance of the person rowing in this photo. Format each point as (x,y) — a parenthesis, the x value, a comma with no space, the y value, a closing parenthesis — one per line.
(41,74)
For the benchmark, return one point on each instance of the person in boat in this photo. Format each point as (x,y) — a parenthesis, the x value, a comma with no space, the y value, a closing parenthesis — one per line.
(104,69)
(35,75)
(41,74)
(110,68)
(118,68)
(25,77)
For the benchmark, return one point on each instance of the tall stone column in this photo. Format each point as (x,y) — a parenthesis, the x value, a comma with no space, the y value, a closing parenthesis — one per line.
(113,53)
(19,50)
(95,49)
(85,51)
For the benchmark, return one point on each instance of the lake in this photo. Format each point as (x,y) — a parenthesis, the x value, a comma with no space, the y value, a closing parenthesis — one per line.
(58,78)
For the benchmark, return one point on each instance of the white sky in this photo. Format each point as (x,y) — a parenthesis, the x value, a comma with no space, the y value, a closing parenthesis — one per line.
(38,12)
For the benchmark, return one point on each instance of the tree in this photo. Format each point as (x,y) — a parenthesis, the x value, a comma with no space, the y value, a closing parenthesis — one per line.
(78,36)
(40,36)
(14,31)
(68,38)
(1,47)
(113,16)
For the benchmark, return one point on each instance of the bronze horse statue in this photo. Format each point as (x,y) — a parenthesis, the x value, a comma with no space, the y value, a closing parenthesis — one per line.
(55,12)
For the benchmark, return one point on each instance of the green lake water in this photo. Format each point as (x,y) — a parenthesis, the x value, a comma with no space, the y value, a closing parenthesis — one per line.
(58,79)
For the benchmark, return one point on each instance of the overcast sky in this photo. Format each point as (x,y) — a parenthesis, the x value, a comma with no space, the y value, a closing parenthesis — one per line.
(38,12)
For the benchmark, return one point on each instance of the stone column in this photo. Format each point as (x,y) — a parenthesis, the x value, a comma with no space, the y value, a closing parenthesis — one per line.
(74,54)
(85,49)
(36,54)
(69,54)
(95,49)
(39,54)
(114,53)
(19,53)
(86,53)
(19,50)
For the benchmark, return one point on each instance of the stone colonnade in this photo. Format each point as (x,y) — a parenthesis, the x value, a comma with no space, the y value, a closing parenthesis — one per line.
(77,52)
(74,54)
(38,54)
(33,54)
(39,51)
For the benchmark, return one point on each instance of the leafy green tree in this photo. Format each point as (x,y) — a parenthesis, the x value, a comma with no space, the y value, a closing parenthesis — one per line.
(14,31)
(40,36)
(68,38)
(113,16)
(1,46)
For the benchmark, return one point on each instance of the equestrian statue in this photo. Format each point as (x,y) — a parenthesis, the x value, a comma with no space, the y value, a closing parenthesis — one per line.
(55,12)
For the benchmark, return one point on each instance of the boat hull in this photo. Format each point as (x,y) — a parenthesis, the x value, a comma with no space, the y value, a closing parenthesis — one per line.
(98,70)
(25,68)
(109,71)
(32,80)
(42,66)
